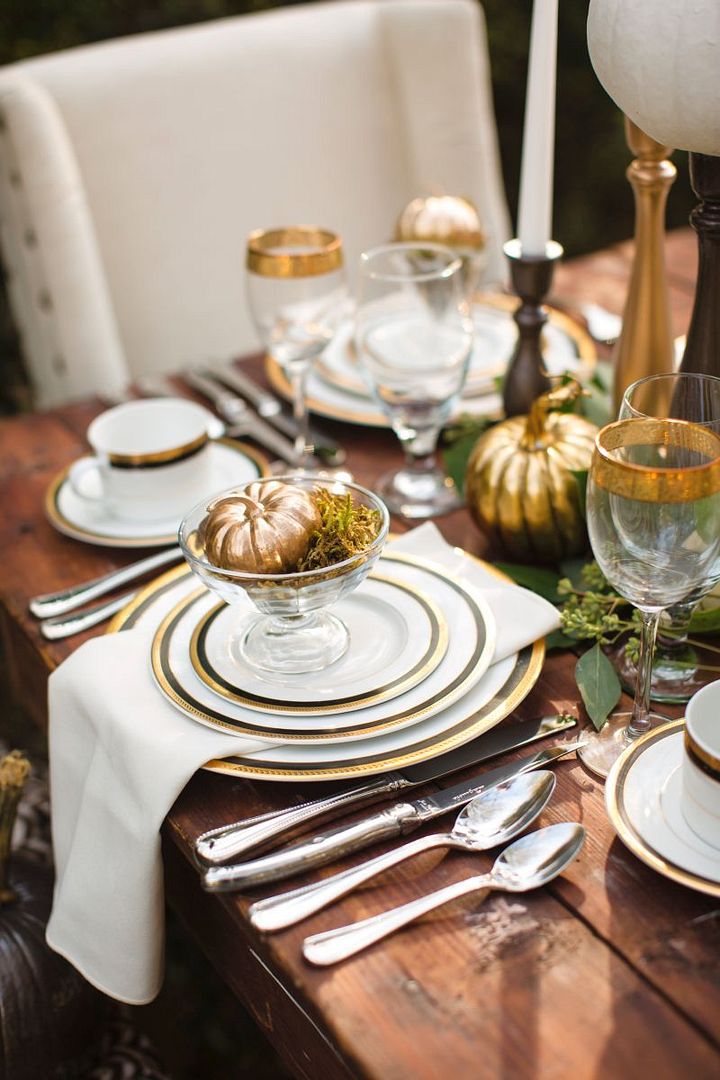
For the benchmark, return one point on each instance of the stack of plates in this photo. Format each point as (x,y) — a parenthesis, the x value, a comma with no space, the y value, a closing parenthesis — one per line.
(336,388)
(416,681)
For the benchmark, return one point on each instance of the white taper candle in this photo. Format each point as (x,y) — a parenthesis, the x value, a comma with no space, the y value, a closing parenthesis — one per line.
(536,175)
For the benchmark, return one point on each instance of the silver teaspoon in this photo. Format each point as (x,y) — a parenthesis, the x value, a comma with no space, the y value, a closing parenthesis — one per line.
(529,862)
(490,819)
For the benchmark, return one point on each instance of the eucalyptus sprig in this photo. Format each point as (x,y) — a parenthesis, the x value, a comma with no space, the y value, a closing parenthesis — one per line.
(593,611)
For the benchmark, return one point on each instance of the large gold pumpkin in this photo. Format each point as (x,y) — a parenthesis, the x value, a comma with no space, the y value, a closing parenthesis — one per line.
(264,529)
(519,483)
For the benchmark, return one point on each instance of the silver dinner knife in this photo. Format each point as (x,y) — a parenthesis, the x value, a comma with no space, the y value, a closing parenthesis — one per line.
(397,820)
(238,415)
(62,626)
(268,406)
(218,845)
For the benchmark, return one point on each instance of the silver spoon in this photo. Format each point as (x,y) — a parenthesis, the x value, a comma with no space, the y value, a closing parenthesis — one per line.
(531,861)
(489,820)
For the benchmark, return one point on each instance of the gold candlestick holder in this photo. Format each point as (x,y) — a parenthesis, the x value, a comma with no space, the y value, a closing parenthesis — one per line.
(645,346)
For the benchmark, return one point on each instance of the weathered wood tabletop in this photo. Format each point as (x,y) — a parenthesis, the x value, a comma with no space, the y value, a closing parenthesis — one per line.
(612,971)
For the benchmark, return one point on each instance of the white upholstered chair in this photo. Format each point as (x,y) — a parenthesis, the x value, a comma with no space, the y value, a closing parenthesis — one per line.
(132,171)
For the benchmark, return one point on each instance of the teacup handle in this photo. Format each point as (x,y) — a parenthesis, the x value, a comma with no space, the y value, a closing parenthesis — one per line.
(79,469)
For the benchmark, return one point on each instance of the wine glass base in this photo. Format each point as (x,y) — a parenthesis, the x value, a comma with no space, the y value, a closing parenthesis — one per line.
(418,493)
(604,747)
(290,645)
(676,674)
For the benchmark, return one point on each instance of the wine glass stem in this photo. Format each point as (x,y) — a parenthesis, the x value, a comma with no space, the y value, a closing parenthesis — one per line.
(420,450)
(298,382)
(640,723)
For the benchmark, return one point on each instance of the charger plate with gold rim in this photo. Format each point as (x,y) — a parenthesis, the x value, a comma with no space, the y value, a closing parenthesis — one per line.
(231,462)
(335,387)
(515,676)
(643,799)
(456,678)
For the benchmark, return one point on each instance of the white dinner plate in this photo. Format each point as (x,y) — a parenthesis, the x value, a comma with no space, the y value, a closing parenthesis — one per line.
(336,389)
(398,636)
(501,690)
(230,463)
(642,795)
(470,648)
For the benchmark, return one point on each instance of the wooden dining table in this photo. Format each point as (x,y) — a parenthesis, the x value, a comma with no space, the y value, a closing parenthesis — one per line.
(611,971)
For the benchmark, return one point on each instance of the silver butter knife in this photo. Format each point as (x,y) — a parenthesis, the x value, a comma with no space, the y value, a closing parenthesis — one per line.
(268,406)
(239,416)
(397,820)
(218,845)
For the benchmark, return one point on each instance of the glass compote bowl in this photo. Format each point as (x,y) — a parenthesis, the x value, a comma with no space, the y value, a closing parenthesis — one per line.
(653,516)
(284,626)
(413,337)
(677,668)
(297,295)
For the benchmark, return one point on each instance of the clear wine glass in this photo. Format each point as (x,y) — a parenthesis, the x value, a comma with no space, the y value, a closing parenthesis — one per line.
(653,516)
(677,671)
(413,337)
(297,295)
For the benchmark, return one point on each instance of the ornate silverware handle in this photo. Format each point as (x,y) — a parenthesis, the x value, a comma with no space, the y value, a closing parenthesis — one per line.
(63,626)
(218,845)
(277,912)
(59,603)
(321,849)
(334,945)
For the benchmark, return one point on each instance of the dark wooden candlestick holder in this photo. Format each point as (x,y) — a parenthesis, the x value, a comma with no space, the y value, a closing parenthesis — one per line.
(702,350)
(531,276)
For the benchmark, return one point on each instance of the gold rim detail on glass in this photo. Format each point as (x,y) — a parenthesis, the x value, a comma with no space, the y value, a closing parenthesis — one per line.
(647,484)
(159,457)
(68,528)
(435,651)
(265,260)
(515,690)
(617,812)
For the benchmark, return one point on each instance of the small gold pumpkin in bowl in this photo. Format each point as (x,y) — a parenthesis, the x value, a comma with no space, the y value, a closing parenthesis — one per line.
(286,548)
(519,483)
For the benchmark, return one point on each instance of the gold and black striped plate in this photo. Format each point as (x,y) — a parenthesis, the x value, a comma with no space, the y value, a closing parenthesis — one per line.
(503,688)
(643,799)
(470,649)
(398,636)
(231,463)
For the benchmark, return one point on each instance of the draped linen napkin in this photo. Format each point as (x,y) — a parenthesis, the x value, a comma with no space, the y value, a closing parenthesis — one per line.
(120,754)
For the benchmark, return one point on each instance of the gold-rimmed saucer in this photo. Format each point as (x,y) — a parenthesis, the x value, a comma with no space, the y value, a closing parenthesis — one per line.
(642,795)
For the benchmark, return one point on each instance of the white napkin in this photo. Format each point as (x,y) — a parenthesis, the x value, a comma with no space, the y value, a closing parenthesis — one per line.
(120,754)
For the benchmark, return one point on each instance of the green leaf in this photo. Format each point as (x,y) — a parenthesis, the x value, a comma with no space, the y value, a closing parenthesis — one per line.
(598,684)
(558,640)
(572,569)
(581,479)
(536,578)
(455,459)
(705,620)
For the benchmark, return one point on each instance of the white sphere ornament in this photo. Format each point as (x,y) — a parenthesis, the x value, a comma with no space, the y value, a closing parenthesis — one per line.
(659,61)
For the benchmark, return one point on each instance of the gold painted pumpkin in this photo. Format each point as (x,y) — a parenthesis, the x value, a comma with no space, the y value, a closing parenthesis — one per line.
(519,485)
(264,529)
(442,219)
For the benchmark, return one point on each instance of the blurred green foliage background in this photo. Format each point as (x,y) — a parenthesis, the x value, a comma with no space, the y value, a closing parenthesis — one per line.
(593,202)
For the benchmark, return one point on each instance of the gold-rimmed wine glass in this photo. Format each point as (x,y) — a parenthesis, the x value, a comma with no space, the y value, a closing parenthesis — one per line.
(684,395)
(653,516)
(297,295)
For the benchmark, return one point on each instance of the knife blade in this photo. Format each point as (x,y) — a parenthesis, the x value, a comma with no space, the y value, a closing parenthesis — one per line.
(238,416)
(218,845)
(396,820)
(268,406)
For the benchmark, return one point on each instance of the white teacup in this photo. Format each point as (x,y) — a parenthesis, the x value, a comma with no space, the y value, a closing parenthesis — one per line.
(150,460)
(701,764)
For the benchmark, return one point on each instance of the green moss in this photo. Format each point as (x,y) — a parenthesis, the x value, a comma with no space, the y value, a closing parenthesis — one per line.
(347,529)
